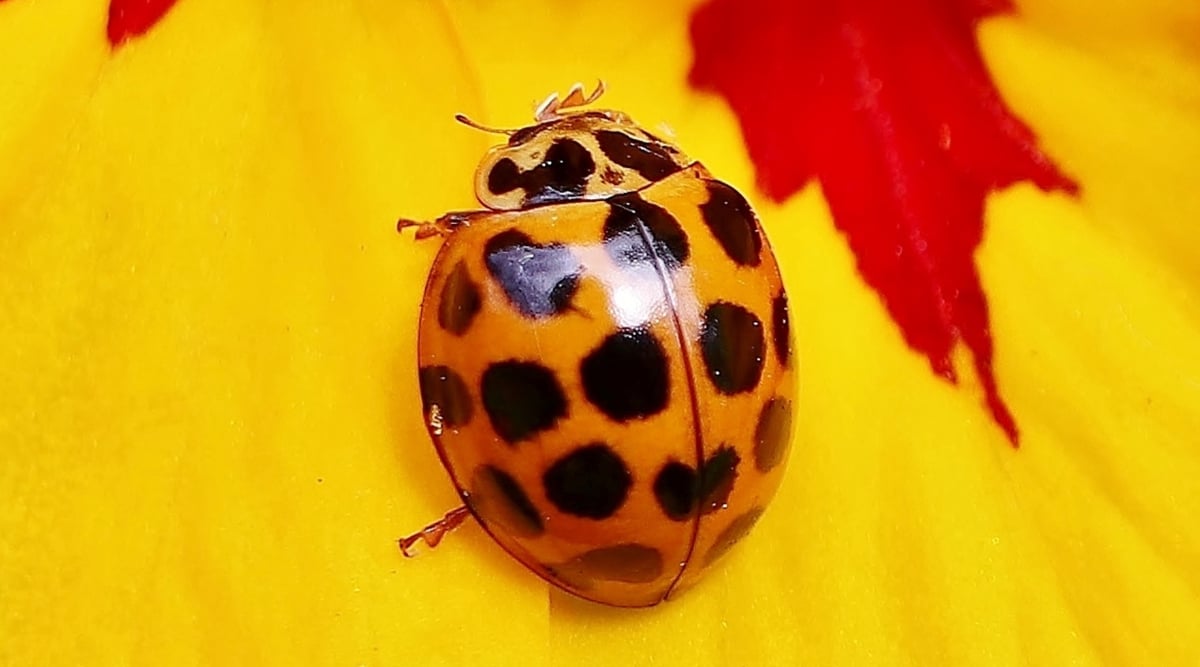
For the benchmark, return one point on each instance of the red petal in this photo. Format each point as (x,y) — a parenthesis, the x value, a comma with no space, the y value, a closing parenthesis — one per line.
(131,18)
(889,105)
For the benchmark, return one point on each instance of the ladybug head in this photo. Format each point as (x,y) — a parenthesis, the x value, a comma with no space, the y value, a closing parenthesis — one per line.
(575,156)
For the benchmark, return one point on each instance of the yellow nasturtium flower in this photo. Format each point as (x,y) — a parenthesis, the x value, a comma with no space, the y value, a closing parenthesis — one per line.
(208,407)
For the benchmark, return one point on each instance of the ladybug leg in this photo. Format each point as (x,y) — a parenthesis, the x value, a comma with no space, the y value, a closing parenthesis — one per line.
(432,534)
(443,226)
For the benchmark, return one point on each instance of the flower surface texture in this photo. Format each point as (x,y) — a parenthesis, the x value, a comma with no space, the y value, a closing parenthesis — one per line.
(988,220)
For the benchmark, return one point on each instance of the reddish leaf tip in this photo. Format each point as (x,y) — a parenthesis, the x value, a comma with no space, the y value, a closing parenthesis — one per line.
(132,18)
(1003,418)
(891,107)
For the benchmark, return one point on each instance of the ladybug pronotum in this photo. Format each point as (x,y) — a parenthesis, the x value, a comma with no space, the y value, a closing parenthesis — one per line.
(604,357)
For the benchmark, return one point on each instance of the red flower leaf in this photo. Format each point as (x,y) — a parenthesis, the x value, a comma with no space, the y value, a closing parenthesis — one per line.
(132,18)
(889,105)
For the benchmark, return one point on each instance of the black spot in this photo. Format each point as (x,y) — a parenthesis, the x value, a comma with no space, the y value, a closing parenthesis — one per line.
(731,221)
(459,302)
(716,478)
(505,176)
(444,388)
(626,376)
(590,482)
(652,161)
(773,433)
(676,488)
(637,233)
(732,344)
(562,174)
(499,499)
(779,329)
(679,490)
(612,176)
(630,563)
(733,533)
(539,280)
(521,398)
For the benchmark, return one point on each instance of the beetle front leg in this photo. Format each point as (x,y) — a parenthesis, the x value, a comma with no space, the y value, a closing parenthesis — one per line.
(443,226)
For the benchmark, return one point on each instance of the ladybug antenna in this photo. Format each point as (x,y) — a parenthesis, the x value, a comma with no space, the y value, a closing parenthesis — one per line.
(462,118)
(551,108)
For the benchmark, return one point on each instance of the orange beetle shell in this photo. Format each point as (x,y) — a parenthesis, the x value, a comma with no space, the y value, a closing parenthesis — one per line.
(608,381)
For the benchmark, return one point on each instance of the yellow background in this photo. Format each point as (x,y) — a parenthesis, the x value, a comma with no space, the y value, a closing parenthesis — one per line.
(208,411)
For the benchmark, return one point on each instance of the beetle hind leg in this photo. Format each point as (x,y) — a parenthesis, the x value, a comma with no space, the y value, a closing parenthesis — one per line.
(432,534)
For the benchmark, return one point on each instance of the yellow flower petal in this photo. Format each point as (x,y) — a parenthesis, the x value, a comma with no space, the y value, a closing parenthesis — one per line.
(1103,324)
(207,313)
(209,324)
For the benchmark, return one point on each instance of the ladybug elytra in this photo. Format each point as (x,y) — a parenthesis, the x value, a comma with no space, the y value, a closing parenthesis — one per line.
(604,357)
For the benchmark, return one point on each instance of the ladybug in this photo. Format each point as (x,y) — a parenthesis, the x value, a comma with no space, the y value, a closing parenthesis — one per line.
(604,357)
